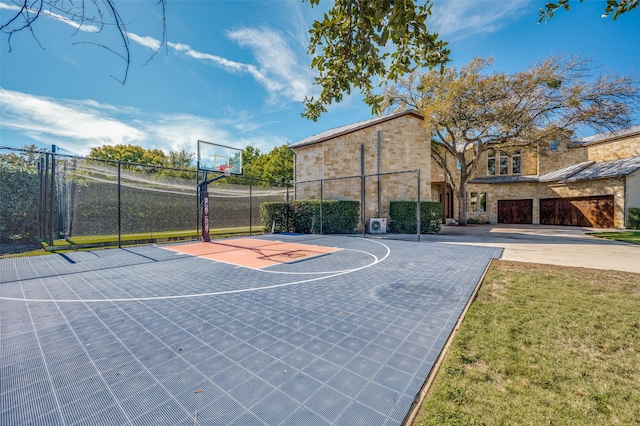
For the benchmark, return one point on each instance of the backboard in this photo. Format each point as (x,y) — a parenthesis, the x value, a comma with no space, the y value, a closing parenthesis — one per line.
(212,155)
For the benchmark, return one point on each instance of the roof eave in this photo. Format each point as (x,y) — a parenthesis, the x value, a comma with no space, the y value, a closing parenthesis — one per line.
(369,123)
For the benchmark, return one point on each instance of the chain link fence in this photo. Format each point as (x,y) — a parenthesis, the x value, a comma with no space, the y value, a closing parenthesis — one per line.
(65,201)
(375,193)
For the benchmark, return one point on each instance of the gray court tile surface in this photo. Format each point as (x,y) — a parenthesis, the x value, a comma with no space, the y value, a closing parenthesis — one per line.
(144,336)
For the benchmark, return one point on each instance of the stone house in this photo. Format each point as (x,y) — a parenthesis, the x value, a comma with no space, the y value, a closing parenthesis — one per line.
(587,182)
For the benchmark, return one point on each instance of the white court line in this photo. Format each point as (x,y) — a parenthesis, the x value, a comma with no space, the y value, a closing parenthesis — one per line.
(215,293)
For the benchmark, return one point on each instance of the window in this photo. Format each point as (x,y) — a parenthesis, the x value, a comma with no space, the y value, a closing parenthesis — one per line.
(477,202)
(482,202)
(473,202)
(499,163)
(553,145)
(504,164)
(458,164)
(516,163)
(491,163)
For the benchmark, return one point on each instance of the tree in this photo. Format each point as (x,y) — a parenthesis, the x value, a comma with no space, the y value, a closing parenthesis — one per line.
(618,7)
(182,159)
(251,167)
(20,193)
(129,154)
(469,112)
(278,167)
(350,47)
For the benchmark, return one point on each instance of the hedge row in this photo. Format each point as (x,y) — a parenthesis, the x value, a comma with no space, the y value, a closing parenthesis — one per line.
(342,217)
(403,217)
(306,216)
(634,218)
(19,201)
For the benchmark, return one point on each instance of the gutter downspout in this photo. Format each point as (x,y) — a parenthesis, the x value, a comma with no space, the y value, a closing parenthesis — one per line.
(379,166)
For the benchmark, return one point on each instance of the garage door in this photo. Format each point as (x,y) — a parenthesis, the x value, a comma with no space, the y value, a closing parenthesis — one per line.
(582,211)
(515,211)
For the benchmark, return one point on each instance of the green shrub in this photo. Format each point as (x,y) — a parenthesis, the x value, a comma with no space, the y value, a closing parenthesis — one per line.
(634,218)
(306,216)
(19,201)
(277,212)
(474,221)
(403,217)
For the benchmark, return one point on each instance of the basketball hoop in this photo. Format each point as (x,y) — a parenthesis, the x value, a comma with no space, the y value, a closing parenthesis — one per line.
(226,169)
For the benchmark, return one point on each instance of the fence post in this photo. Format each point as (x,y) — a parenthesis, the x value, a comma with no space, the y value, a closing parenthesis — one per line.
(198,205)
(250,206)
(362,192)
(321,202)
(52,196)
(418,208)
(287,211)
(41,208)
(119,209)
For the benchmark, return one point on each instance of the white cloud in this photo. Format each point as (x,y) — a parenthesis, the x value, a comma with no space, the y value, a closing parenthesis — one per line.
(79,125)
(284,74)
(46,119)
(277,60)
(461,19)
(146,41)
(279,70)
(82,26)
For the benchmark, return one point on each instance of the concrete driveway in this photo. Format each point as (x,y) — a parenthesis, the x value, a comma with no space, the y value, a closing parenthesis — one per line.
(554,245)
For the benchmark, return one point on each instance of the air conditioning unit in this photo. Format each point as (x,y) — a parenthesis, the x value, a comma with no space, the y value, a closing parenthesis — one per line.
(377,225)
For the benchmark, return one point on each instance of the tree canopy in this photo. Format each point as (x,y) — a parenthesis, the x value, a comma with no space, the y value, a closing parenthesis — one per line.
(276,167)
(618,7)
(470,111)
(351,47)
(129,154)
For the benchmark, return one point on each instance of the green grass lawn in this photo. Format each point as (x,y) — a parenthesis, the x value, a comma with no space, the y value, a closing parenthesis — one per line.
(625,236)
(164,235)
(541,345)
(97,241)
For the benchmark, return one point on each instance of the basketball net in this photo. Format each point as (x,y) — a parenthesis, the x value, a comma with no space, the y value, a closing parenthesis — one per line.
(226,169)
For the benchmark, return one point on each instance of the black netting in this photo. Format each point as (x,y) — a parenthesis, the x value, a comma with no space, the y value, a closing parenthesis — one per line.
(74,202)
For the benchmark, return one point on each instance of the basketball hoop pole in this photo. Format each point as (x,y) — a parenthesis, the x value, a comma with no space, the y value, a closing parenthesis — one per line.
(204,203)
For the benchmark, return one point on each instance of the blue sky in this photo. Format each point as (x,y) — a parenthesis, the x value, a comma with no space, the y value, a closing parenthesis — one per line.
(236,72)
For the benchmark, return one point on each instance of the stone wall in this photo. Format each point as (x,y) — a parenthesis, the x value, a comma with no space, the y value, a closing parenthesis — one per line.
(633,189)
(507,191)
(406,146)
(614,149)
(589,188)
(538,191)
(404,149)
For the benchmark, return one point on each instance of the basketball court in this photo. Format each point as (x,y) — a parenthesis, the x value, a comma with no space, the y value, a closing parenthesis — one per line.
(173,335)
(252,253)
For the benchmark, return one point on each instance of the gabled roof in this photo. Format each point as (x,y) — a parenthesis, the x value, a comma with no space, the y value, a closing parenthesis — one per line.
(564,173)
(350,128)
(607,169)
(601,137)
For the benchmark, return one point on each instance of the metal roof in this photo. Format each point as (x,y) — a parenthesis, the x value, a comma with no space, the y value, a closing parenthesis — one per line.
(606,136)
(349,128)
(607,169)
(566,172)
(505,179)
